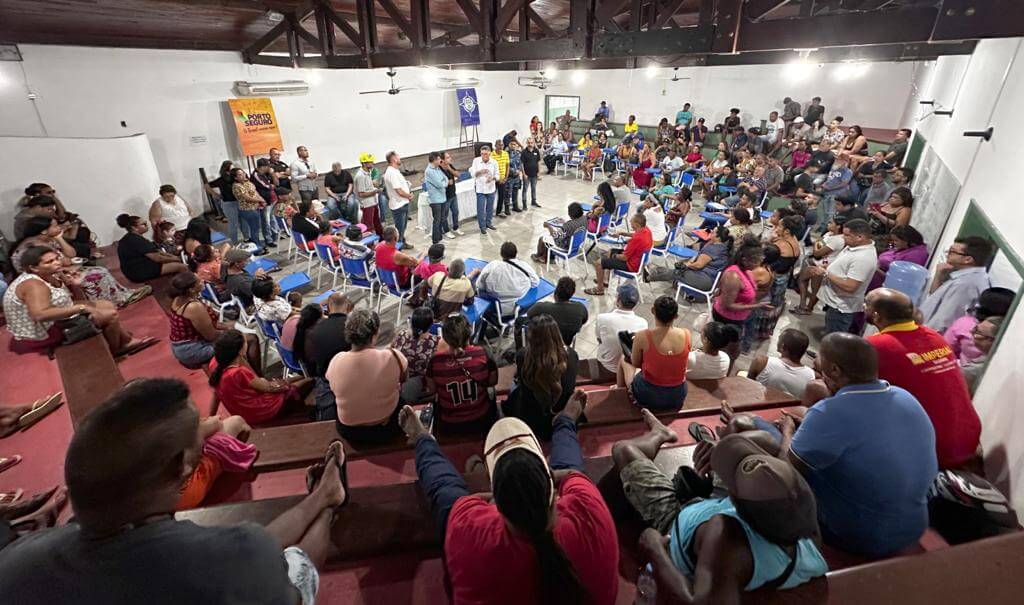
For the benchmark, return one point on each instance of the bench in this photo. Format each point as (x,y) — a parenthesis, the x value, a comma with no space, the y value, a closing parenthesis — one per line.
(298,445)
(588,372)
(384,519)
(89,375)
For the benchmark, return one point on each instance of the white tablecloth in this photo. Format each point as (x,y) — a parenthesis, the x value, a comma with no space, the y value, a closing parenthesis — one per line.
(465,194)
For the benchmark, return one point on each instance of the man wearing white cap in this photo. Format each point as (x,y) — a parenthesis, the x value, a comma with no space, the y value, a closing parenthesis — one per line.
(766,517)
(545,534)
(366,192)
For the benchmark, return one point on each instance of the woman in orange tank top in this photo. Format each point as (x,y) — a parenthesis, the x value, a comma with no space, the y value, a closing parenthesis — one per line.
(660,353)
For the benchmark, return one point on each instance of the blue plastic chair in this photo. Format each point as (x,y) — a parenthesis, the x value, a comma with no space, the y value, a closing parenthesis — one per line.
(289,360)
(634,275)
(302,249)
(575,250)
(707,295)
(357,274)
(389,285)
(327,263)
(294,281)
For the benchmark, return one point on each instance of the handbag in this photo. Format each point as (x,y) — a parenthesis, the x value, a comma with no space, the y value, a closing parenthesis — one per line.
(77,328)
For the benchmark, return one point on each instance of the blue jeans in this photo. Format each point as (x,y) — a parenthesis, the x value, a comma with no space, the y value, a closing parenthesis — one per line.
(269,225)
(231,212)
(401,216)
(532,189)
(484,210)
(326,405)
(443,484)
(351,211)
(438,216)
(252,220)
(513,186)
(837,321)
(333,211)
(382,205)
(453,208)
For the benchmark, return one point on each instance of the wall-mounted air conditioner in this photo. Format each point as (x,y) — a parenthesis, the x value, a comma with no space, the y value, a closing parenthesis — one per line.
(270,89)
(453,83)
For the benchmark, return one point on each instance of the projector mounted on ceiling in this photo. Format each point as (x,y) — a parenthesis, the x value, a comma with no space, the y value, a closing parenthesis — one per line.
(271,89)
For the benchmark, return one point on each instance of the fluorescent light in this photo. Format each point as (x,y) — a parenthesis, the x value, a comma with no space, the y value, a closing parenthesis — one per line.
(550,72)
(579,76)
(851,70)
(651,71)
(462,75)
(797,71)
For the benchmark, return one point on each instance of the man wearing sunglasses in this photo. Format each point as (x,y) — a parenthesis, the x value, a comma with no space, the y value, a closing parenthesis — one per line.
(957,282)
(543,534)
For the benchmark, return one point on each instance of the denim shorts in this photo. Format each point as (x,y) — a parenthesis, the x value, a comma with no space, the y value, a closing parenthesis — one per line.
(192,354)
(654,397)
(302,573)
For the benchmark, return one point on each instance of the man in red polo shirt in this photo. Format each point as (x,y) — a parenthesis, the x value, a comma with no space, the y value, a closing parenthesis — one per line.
(919,360)
(629,259)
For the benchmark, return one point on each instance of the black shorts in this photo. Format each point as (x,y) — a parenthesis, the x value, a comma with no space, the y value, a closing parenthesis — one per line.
(617,264)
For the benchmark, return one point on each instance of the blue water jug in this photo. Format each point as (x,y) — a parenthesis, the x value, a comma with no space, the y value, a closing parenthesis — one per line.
(908,278)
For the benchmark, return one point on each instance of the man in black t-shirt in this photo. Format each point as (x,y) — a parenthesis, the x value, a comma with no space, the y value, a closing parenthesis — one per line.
(567,313)
(125,468)
(283,172)
(339,185)
(327,340)
(531,166)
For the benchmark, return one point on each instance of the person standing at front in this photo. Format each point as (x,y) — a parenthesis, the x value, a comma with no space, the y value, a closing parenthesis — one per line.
(398,196)
(531,168)
(366,192)
(501,157)
(451,196)
(304,173)
(485,173)
(435,181)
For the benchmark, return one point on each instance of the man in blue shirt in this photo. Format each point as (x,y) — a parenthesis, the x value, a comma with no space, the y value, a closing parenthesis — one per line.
(836,184)
(435,182)
(604,110)
(683,118)
(711,547)
(868,452)
(958,282)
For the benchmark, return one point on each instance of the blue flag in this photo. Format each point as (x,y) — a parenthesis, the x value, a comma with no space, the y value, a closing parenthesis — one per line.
(469,109)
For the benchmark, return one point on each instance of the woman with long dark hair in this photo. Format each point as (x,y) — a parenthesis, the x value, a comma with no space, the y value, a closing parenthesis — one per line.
(244,392)
(546,536)
(222,188)
(301,325)
(545,376)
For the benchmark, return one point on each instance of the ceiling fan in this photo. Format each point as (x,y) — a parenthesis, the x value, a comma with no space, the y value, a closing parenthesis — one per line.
(675,76)
(392,90)
(540,81)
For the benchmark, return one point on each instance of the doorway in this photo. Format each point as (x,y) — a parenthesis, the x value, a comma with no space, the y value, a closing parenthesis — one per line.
(556,105)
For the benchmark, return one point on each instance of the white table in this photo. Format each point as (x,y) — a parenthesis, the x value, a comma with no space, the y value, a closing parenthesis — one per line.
(465,197)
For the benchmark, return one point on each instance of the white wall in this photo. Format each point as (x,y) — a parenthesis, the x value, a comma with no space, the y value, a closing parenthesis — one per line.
(991,93)
(120,175)
(873,99)
(174,95)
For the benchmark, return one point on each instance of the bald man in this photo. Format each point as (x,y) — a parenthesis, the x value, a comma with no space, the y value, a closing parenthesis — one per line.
(918,359)
(868,452)
(325,341)
(125,469)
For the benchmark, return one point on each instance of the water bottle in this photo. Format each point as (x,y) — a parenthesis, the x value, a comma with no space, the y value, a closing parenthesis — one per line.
(646,587)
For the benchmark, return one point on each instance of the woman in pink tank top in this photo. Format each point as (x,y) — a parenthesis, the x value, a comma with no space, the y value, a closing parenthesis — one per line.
(736,290)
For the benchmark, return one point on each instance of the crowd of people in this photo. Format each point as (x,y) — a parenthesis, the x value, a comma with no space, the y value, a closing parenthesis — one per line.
(850,468)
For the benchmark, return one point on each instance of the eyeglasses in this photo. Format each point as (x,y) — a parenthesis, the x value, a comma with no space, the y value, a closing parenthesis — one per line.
(957,252)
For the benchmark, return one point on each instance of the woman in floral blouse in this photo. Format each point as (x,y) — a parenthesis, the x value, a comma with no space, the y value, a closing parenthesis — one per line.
(418,345)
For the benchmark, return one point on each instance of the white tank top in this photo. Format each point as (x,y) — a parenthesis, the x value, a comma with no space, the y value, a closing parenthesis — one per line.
(19,322)
(781,375)
(176,212)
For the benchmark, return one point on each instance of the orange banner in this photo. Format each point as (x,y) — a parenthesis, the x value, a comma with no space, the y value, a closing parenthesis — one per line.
(256,125)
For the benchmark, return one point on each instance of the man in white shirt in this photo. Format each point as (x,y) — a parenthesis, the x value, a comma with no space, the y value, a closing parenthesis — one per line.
(304,174)
(366,192)
(485,174)
(655,216)
(785,372)
(774,130)
(399,194)
(846,279)
(505,280)
(672,164)
(608,326)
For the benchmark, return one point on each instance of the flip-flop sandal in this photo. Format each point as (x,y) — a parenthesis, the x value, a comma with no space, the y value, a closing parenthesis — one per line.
(9,498)
(142,345)
(9,461)
(139,294)
(40,409)
(701,433)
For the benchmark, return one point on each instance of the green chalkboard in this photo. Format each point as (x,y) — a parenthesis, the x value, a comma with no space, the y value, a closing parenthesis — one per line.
(917,145)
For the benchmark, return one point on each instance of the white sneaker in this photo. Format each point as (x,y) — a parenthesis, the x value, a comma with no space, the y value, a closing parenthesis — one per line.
(459,232)
(449,235)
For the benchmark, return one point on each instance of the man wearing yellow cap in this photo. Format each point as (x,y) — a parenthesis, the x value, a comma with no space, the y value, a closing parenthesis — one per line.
(544,535)
(367,192)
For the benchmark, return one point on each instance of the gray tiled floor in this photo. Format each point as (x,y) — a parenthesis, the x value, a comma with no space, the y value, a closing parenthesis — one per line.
(555,194)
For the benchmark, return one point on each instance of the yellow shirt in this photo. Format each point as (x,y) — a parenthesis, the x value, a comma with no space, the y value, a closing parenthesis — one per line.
(501,157)
(584,144)
(631,128)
